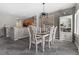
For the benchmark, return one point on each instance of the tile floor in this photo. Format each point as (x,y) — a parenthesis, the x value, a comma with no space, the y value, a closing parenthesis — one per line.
(20,47)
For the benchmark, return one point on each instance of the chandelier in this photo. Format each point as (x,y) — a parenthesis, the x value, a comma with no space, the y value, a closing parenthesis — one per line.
(44,13)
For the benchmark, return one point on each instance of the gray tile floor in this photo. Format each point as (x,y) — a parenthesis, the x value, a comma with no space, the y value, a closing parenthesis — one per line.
(20,47)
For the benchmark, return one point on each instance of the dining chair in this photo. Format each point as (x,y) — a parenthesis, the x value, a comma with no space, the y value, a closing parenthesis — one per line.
(34,39)
(54,35)
(49,37)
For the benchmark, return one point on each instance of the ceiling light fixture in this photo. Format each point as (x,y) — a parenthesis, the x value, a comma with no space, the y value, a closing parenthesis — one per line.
(44,13)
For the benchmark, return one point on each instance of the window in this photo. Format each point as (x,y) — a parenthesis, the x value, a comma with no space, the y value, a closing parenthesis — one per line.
(76,30)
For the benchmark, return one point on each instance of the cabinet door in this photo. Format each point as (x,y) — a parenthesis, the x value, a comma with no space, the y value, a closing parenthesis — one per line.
(20,31)
(25,32)
(16,33)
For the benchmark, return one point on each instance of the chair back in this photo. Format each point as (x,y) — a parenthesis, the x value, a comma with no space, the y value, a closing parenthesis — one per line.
(51,33)
(34,28)
(47,28)
(31,36)
(54,35)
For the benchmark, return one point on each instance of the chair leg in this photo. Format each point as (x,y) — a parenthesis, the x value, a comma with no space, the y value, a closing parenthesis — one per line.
(53,41)
(43,43)
(30,46)
(49,44)
(36,48)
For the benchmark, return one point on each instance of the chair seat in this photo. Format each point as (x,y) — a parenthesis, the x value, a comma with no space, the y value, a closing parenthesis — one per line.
(38,41)
(47,39)
(38,36)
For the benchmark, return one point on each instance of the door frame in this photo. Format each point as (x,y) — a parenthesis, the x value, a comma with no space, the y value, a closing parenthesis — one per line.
(72,27)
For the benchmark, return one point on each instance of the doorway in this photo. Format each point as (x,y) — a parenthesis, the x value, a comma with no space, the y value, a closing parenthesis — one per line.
(65,27)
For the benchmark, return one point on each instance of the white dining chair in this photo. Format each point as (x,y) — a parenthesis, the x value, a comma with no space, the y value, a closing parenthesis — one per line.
(49,37)
(34,39)
(54,35)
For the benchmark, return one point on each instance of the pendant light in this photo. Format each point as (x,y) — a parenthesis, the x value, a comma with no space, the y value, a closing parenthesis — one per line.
(44,13)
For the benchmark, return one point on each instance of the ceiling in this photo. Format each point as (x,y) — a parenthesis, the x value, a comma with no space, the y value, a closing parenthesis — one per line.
(31,9)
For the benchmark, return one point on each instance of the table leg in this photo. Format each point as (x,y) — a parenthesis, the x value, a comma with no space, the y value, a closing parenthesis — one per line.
(43,43)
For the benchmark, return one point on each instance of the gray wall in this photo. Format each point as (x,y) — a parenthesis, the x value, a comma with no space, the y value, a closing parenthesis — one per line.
(7,19)
(69,11)
(77,6)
